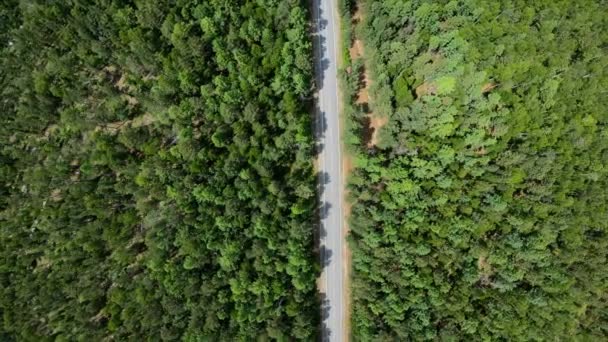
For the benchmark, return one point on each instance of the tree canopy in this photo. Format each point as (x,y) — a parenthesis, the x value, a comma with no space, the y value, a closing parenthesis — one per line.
(481,212)
(156,176)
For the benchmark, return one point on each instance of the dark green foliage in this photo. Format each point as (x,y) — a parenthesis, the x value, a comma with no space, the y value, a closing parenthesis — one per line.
(156,175)
(481,215)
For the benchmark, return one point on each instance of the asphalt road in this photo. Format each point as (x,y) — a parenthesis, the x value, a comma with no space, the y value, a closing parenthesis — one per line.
(327,129)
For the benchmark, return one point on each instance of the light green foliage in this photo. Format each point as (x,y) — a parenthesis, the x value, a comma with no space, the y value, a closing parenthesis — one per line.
(482,215)
(156,177)
(446,85)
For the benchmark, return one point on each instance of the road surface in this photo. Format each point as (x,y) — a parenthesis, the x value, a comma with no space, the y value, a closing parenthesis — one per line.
(327,130)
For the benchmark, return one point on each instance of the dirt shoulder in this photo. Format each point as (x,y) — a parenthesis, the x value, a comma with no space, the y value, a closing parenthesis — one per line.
(374,122)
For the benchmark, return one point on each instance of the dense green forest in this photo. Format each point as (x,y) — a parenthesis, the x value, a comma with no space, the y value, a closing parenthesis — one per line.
(156,176)
(481,213)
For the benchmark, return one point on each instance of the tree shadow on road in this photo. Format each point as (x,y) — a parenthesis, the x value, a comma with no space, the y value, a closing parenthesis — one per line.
(325,331)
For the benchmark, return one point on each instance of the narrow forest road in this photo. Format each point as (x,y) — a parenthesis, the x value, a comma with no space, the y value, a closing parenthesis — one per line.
(327,131)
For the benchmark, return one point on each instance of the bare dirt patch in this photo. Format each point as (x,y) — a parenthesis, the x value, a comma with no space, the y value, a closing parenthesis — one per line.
(42,263)
(121,84)
(426,88)
(56,195)
(356,49)
(486,88)
(143,120)
(132,101)
(114,127)
(376,122)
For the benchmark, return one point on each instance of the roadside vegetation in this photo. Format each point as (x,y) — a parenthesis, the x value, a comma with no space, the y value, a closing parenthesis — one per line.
(480,213)
(156,176)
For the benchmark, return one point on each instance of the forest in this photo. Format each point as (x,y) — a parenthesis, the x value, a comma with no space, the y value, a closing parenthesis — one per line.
(156,175)
(480,213)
